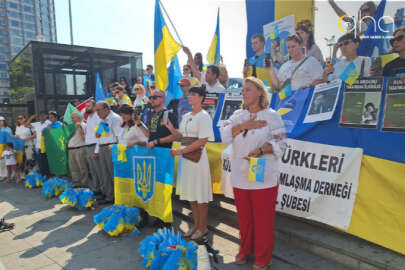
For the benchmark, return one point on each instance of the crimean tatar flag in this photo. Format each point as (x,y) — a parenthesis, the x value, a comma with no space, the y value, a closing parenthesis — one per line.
(350,74)
(256,169)
(165,49)
(214,52)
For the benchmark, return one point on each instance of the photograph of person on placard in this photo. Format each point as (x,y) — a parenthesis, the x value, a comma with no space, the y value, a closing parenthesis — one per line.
(210,109)
(369,114)
(323,101)
(230,106)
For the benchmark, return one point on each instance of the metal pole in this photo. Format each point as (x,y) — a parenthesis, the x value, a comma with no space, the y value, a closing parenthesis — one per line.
(174,28)
(71,23)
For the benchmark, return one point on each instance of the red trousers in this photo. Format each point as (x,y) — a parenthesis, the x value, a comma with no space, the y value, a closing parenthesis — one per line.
(256,209)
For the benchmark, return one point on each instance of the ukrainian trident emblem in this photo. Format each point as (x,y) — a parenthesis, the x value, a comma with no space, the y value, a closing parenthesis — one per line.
(145,176)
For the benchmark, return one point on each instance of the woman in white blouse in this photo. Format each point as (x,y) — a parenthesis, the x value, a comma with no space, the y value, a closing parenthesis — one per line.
(133,132)
(140,93)
(255,131)
(194,178)
(302,71)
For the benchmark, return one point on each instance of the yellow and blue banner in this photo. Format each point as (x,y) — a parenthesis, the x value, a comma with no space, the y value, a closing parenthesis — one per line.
(165,49)
(285,92)
(145,180)
(350,74)
(173,91)
(257,167)
(214,52)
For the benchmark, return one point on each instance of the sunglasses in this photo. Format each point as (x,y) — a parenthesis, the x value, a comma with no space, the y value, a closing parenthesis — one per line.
(154,97)
(136,89)
(398,38)
(344,43)
(20,118)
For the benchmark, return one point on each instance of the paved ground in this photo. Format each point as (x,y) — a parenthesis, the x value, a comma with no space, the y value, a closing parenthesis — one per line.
(49,235)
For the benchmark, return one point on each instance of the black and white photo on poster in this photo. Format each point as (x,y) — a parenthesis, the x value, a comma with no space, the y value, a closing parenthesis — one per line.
(323,102)
(232,103)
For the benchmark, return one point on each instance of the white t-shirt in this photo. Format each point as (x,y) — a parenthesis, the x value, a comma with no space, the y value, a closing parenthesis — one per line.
(217,88)
(307,73)
(9,157)
(24,132)
(342,64)
(38,129)
(132,134)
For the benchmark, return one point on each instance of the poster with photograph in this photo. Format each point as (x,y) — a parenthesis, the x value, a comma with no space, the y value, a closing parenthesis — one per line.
(232,102)
(323,102)
(210,103)
(276,34)
(394,111)
(361,103)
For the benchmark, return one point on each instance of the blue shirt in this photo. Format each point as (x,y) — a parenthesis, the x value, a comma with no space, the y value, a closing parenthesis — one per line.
(148,79)
(183,107)
(57,124)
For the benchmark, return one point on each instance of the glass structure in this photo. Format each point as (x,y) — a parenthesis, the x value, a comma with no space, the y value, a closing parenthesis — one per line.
(20,22)
(46,76)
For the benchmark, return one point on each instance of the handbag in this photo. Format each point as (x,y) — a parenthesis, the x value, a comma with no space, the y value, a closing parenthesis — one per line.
(195,155)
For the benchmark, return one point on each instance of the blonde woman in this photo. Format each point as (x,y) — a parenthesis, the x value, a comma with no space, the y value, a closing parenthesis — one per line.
(140,94)
(255,131)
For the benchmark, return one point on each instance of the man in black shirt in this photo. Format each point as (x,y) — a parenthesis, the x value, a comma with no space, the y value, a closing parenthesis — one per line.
(397,66)
(154,118)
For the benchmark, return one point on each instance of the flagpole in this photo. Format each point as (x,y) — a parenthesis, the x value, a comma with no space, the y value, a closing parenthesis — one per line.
(167,15)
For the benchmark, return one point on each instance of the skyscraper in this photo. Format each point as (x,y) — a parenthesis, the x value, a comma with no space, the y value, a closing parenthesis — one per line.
(20,22)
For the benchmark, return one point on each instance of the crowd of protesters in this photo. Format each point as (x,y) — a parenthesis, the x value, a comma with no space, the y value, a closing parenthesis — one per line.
(137,116)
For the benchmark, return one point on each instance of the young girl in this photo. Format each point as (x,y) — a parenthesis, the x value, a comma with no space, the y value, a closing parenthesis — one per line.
(11,162)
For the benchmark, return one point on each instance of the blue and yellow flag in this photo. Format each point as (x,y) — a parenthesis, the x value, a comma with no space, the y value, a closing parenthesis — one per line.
(257,167)
(285,92)
(214,53)
(165,49)
(350,74)
(99,92)
(145,180)
(275,33)
(102,128)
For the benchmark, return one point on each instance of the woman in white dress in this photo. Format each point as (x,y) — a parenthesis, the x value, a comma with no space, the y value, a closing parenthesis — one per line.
(255,131)
(3,128)
(133,132)
(194,178)
(28,135)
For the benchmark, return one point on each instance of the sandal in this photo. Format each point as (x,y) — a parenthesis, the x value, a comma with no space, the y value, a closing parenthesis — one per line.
(198,235)
(239,260)
(256,267)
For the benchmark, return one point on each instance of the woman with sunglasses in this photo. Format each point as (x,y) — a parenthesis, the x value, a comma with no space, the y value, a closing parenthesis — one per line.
(255,131)
(397,66)
(140,95)
(299,72)
(348,45)
(194,178)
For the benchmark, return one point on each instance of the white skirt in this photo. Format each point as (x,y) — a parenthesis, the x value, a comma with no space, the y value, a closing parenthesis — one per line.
(194,179)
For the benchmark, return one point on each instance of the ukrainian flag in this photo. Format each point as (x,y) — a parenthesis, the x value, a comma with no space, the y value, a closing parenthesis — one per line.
(214,53)
(145,180)
(102,128)
(256,169)
(350,74)
(165,49)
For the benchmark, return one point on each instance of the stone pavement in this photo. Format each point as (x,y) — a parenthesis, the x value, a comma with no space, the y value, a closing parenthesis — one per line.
(50,236)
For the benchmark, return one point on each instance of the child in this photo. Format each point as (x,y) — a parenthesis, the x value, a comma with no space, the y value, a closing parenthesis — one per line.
(11,163)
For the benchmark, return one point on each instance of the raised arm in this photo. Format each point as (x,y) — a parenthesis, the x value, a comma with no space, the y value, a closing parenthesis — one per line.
(339,11)
(191,62)
(275,82)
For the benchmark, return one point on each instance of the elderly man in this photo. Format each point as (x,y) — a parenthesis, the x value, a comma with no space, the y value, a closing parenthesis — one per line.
(77,153)
(108,132)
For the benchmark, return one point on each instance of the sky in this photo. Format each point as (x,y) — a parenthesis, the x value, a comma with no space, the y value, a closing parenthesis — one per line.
(128,25)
